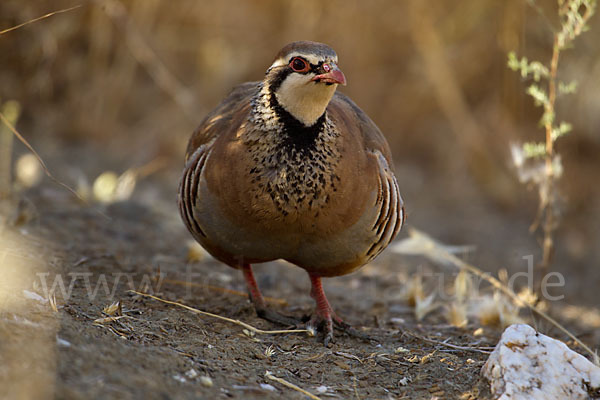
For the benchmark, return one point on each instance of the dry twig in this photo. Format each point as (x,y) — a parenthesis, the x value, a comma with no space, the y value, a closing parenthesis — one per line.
(290,385)
(450,345)
(233,321)
(549,225)
(39,19)
(37,156)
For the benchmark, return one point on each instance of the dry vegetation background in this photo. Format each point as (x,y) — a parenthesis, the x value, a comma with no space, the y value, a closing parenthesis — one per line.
(115,84)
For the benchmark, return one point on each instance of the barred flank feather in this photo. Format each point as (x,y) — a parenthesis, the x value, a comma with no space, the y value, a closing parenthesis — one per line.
(188,190)
(391,209)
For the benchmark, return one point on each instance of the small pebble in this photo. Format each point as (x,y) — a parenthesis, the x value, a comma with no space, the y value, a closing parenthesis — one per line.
(322,389)
(206,381)
(191,373)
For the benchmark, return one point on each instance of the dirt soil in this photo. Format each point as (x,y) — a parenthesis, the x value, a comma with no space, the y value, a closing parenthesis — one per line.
(155,350)
(161,351)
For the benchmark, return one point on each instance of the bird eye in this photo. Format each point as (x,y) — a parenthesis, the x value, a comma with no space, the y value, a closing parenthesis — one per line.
(299,65)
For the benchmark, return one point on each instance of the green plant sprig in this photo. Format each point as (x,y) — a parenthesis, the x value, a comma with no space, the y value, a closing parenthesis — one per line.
(573,16)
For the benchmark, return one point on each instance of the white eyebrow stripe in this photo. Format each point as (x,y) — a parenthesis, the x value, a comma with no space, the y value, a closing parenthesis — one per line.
(309,57)
(278,63)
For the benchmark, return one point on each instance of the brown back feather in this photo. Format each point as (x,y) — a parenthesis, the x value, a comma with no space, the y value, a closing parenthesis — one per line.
(218,121)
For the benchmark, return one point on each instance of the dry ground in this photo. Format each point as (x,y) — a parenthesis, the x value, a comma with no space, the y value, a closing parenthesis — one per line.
(162,351)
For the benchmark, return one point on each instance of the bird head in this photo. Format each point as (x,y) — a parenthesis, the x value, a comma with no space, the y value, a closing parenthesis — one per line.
(303,79)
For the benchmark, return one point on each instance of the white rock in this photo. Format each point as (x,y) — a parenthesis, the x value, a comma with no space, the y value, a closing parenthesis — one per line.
(266,386)
(191,373)
(528,365)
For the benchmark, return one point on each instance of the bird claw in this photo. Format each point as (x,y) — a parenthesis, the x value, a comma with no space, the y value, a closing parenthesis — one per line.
(313,324)
(324,323)
(323,318)
(327,325)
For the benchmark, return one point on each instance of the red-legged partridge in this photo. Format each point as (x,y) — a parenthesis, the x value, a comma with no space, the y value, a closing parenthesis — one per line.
(288,168)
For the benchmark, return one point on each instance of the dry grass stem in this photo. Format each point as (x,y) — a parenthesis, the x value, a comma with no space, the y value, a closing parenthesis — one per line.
(31,21)
(439,253)
(52,302)
(485,350)
(290,385)
(447,91)
(105,320)
(151,167)
(429,43)
(316,356)
(355,386)
(348,356)
(11,110)
(233,321)
(114,309)
(37,156)
(149,60)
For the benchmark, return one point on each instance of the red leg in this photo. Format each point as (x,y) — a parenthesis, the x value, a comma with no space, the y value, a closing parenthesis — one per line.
(324,314)
(259,302)
(253,290)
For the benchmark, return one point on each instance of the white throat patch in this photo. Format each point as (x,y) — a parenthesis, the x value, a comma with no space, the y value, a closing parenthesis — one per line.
(306,100)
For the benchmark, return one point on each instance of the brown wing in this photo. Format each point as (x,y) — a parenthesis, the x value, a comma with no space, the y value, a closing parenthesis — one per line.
(391,215)
(219,120)
(372,137)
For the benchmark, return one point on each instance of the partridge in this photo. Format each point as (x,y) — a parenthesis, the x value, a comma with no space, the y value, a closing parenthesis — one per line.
(288,168)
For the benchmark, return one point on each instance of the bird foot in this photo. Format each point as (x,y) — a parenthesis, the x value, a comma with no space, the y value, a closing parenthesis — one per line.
(319,321)
(327,321)
(325,318)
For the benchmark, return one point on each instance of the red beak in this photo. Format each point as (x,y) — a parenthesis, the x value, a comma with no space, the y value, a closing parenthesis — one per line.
(333,76)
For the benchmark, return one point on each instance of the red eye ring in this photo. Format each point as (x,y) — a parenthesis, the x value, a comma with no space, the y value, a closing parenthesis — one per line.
(298,64)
